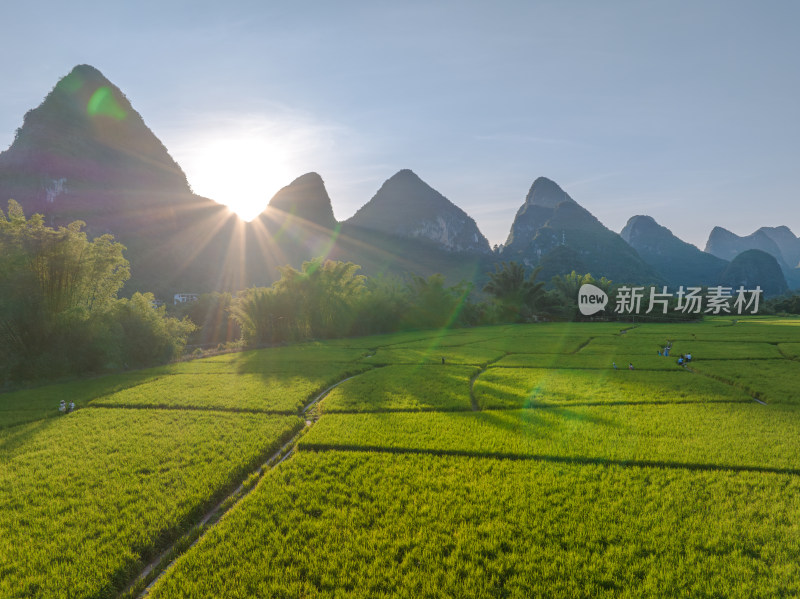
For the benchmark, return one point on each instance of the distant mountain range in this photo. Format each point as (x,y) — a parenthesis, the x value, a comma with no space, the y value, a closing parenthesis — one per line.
(678,262)
(779,242)
(86,154)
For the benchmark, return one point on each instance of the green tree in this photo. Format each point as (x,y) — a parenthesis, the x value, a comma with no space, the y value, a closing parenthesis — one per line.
(518,297)
(211,314)
(432,305)
(59,312)
(52,281)
(566,289)
(382,307)
(146,335)
(317,301)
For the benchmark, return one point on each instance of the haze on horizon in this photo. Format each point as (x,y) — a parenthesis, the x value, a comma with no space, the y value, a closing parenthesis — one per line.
(683,111)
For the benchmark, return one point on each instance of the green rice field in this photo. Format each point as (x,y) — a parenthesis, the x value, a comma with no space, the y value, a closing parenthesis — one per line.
(507,461)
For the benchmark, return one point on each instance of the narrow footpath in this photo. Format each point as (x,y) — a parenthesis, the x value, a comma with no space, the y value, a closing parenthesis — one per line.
(156,568)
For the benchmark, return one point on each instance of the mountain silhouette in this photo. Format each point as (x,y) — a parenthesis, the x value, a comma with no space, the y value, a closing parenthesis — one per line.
(678,262)
(779,242)
(406,206)
(754,268)
(85,154)
(788,244)
(305,202)
(550,219)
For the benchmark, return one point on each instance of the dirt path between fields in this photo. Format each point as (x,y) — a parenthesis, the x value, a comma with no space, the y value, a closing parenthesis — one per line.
(473,400)
(726,382)
(168,557)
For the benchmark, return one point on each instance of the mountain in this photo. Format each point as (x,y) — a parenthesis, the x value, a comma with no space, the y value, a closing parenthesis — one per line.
(755,267)
(407,207)
(678,262)
(305,202)
(550,219)
(85,154)
(787,242)
(85,147)
(779,242)
(298,224)
(727,245)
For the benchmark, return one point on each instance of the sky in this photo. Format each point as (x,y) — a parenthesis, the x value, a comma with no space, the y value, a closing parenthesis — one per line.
(687,111)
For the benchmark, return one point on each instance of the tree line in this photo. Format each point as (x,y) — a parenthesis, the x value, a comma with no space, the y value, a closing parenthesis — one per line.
(60,313)
(59,310)
(327,299)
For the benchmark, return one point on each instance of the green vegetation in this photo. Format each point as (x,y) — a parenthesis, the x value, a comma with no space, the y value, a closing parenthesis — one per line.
(365,524)
(705,350)
(710,436)
(86,497)
(523,466)
(317,301)
(790,350)
(283,388)
(588,361)
(525,387)
(452,354)
(774,381)
(59,312)
(404,388)
(254,392)
(42,402)
(518,297)
(537,344)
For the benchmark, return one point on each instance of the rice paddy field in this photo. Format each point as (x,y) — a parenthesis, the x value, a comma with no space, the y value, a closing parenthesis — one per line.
(511,461)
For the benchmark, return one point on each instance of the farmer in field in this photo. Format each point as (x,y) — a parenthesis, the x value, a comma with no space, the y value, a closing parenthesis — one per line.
(62,407)
(630,365)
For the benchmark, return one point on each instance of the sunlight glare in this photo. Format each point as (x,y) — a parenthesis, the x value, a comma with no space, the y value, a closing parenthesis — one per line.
(241,169)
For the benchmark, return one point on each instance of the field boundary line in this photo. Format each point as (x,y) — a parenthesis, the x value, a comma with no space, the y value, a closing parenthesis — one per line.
(579,460)
(581,346)
(785,355)
(325,393)
(474,400)
(531,406)
(173,408)
(729,383)
(168,557)
(187,540)
(421,410)
(600,404)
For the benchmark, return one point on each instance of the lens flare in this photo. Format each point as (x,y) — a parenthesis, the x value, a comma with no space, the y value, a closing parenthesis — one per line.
(103,103)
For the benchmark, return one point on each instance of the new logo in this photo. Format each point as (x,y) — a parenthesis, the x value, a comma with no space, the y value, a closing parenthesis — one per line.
(591,299)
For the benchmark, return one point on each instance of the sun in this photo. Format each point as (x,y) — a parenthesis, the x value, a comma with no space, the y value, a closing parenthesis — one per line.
(240,169)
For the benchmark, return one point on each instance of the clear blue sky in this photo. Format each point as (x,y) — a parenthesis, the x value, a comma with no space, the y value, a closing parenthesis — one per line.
(683,110)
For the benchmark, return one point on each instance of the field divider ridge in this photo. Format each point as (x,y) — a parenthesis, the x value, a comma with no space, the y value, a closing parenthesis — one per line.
(153,571)
(323,394)
(572,460)
(473,400)
(581,346)
(729,383)
(172,407)
(785,355)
